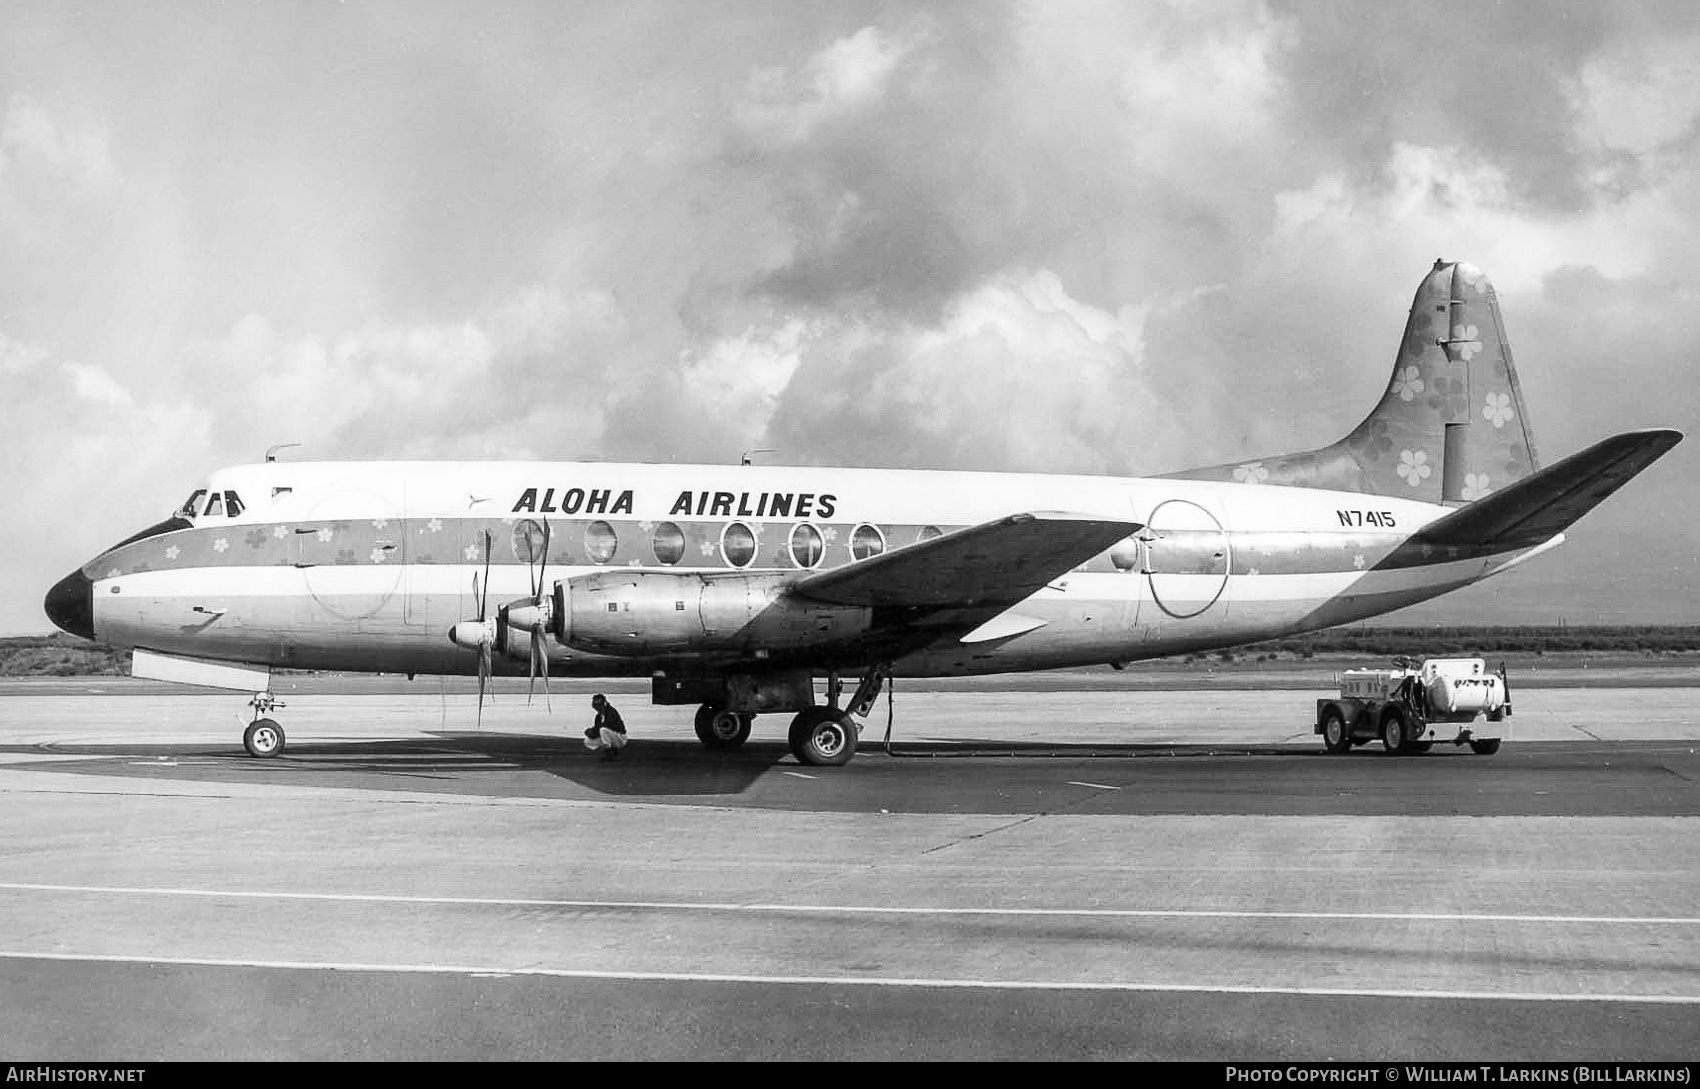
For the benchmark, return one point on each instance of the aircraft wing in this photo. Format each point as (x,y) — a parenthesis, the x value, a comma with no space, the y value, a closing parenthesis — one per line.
(988,566)
(1538,507)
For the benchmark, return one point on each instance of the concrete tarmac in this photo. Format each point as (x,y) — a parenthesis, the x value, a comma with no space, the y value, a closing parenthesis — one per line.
(1056,875)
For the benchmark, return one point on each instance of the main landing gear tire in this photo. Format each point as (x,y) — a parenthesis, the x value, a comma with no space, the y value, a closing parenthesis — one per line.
(1334,736)
(263,737)
(718,728)
(1395,735)
(823,737)
(1487,746)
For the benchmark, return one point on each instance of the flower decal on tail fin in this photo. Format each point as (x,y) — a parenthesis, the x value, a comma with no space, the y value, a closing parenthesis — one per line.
(1414,466)
(1497,410)
(1466,341)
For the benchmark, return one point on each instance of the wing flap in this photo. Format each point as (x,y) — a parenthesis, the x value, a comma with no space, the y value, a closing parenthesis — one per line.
(1542,505)
(1005,625)
(994,564)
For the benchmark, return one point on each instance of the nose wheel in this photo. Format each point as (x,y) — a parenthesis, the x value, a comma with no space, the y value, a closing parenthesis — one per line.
(263,737)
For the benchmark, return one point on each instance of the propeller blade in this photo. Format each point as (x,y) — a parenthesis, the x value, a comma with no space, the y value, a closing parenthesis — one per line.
(543,660)
(483,679)
(531,674)
(539,649)
(539,666)
(485,593)
(542,571)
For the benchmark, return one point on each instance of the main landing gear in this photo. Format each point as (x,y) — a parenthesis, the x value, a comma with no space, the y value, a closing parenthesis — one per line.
(263,737)
(821,735)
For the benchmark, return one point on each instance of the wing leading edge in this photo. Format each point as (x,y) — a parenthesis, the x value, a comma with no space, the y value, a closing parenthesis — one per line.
(989,566)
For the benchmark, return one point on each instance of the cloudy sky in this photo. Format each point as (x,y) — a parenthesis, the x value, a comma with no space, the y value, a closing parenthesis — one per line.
(1113,237)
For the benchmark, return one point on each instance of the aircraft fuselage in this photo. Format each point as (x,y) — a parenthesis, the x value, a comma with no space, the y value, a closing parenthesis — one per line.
(364,566)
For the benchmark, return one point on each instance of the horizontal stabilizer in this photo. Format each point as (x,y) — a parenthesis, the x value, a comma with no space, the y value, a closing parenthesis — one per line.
(992,564)
(1537,507)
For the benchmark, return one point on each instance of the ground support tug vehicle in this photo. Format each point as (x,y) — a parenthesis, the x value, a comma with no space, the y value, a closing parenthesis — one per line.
(1411,706)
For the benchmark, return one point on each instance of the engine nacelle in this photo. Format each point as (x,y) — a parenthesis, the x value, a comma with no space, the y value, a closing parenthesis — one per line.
(669,612)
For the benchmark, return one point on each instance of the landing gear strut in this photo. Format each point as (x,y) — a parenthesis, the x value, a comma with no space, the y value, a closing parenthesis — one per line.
(263,737)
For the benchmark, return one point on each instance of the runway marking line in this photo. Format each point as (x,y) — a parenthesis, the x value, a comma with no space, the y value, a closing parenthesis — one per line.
(863,909)
(486,971)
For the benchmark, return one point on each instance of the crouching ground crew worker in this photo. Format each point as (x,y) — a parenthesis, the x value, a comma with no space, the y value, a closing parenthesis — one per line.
(609,732)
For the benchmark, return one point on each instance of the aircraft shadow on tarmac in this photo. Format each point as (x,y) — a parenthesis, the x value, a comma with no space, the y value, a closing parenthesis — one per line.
(1557,778)
(464,762)
(446,762)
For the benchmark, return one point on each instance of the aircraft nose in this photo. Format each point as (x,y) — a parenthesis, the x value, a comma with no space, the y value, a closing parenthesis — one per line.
(70,604)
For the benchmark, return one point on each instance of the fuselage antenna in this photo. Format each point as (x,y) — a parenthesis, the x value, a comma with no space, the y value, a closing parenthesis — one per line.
(749,455)
(271,451)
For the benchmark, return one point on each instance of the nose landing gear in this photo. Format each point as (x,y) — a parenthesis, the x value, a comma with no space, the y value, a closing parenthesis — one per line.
(263,737)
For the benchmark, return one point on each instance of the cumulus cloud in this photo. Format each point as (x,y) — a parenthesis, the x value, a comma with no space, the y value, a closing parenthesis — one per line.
(1014,374)
(1642,97)
(472,388)
(94,383)
(784,106)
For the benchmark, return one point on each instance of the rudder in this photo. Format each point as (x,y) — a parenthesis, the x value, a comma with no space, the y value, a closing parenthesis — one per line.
(1451,426)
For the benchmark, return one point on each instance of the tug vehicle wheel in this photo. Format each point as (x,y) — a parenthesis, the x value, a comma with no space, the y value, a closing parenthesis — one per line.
(1487,746)
(1395,735)
(1335,738)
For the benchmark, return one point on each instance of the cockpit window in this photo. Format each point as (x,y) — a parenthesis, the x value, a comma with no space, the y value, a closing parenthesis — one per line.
(232,505)
(192,505)
(215,506)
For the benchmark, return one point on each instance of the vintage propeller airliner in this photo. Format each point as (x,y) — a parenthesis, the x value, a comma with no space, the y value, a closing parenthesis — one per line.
(740,588)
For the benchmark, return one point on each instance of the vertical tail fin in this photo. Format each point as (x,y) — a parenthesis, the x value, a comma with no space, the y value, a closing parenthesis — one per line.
(1451,426)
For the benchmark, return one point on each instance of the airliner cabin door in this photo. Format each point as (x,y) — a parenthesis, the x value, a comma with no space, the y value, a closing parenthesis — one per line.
(1186,560)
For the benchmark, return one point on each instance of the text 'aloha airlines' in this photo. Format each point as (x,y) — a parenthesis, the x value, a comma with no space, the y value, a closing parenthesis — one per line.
(697,504)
